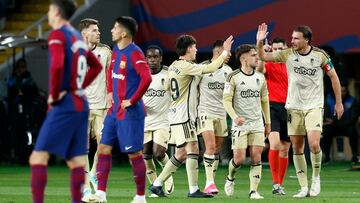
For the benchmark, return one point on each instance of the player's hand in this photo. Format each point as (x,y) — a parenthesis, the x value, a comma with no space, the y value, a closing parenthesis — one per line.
(125,103)
(51,100)
(339,110)
(262,32)
(267,47)
(228,43)
(239,120)
(267,130)
(109,99)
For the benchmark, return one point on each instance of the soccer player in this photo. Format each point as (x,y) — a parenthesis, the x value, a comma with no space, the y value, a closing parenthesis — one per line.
(157,102)
(96,95)
(128,79)
(182,112)
(64,130)
(245,98)
(212,115)
(305,100)
(277,83)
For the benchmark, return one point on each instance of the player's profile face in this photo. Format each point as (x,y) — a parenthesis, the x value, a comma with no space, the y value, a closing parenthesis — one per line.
(53,9)
(93,34)
(153,58)
(117,32)
(252,58)
(192,52)
(298,41)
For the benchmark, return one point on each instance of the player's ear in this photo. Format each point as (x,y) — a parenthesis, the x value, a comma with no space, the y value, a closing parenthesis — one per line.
(123,34)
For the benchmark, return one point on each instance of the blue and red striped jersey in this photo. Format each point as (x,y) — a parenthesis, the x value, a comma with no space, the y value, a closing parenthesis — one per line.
(128,78)
(72,67)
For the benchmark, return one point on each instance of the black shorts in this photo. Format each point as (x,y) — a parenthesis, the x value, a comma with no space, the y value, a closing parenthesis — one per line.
(279,120)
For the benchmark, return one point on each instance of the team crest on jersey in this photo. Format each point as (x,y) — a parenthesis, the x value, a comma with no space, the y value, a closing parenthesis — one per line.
(162,81)
(225,74)
(257,81)
(122,64)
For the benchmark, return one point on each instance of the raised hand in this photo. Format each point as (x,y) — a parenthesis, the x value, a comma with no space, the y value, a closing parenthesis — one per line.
(228,42)
(262,32)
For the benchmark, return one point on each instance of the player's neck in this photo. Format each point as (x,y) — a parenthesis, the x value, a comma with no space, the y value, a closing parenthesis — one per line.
(59,23)
(305,50)
(186,57)
(92,46)
(247,70)
(123,43)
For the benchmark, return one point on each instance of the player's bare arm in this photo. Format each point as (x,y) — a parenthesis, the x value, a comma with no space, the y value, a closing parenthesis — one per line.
(339,108)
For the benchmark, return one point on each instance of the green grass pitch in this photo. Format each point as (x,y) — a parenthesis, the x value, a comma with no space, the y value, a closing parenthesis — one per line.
(338,185)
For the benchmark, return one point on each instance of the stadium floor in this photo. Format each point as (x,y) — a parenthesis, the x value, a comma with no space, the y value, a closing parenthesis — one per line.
(339,184)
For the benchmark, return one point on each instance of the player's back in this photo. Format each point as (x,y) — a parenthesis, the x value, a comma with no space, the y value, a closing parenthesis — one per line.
(72,54)
(183,92)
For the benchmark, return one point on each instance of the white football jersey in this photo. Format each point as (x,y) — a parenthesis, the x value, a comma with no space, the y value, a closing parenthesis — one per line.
(96,91)
(157,102)
(247,92)
(211,89)
(305,77)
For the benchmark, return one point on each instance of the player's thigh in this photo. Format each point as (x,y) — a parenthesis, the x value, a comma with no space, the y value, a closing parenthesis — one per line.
(239,139)
(314,119)
(206,123)
(256,138)
(220,127)
(183,133)
(296,122)
(57,132)
(131,135)
(109,131)
(148,136)
(78,145)
(161,137)
(99,122)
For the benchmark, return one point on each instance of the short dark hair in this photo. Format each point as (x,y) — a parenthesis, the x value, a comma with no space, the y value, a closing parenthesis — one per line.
(86,22)
(279,40)
(67,7)
(129,23)
(183,42)
(153,46)
(218,43)
(306,31)
(243,49)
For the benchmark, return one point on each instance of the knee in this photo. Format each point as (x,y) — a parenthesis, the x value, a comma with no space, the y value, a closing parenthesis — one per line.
(314,147)
(159,155)
(284,153)
(238,160)
(104,149)
(210,148)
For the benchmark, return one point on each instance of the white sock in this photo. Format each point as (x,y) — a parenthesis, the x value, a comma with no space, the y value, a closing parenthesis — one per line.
(209,183)
(193,188)
(101,193)
(157,183)
(140,197)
